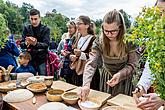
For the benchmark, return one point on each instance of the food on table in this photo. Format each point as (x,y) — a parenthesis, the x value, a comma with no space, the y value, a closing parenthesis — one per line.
(11,85)
(18,95)
(24,76)
(53,106)
(70,97)
(36,79)
(88,104)
(37,87)
(8,86)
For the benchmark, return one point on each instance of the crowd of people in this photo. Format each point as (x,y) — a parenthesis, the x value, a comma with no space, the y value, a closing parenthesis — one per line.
(85,58)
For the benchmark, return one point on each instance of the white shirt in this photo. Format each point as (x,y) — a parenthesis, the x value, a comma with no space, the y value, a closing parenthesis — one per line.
(81,41)
(146,78)
(83,44)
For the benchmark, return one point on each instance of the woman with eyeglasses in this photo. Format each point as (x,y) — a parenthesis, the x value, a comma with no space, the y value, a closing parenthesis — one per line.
(82,47)
(118,58)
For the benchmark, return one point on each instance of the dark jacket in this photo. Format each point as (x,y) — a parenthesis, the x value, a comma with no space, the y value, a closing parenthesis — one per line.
(27,68)
(7,54)
(39,51)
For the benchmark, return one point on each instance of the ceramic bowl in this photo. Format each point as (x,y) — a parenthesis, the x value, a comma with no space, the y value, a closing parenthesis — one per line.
(70,98)
(54,95)
(89,104)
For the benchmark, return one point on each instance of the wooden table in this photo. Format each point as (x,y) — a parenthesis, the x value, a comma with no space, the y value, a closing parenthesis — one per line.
(41,98)
(27,105)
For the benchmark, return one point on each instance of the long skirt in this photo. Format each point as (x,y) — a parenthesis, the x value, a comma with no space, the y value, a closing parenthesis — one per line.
(78,80)
(123,87)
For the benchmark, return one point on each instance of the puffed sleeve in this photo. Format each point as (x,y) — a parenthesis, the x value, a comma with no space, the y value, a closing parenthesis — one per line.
(133,57)
(91,65)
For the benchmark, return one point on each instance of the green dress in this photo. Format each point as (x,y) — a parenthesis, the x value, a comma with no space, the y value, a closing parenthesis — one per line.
(110,66)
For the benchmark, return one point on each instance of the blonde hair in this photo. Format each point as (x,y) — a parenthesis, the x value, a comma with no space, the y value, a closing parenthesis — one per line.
(111,17)
(25,55)
(71,23)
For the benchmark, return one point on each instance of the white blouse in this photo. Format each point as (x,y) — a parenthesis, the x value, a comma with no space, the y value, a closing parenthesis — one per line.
(146,78)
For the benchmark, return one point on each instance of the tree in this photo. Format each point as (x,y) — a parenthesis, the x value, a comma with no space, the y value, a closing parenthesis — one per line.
(3,28)
(3,7)
(126,18)
(98,23)
(14,18)
(150,32)
(24,10)
(57,23)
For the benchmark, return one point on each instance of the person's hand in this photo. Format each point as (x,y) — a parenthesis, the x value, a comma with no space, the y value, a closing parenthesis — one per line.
(73,58)
(115,80)
(152,103)
(64,53)
(137,93)
(31,41)
(77,52)
(83,92)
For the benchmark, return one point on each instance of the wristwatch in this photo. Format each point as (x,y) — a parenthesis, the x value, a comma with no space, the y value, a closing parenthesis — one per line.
(141,88)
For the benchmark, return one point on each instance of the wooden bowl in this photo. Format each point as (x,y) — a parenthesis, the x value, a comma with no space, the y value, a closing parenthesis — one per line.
(37,87)
(89,104)
(70,97)
(54,95)
(7,86)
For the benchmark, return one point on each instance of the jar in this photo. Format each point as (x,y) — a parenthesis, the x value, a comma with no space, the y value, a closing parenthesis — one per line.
(6,76)
(1,73)
(1,77)
(13,76)
(48,81)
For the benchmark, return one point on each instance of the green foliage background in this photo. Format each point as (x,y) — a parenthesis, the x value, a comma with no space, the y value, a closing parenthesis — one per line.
(3,28)
(16,17)
(150,32)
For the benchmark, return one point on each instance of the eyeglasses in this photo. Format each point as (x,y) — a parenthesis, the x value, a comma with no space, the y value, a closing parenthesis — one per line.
(115,31)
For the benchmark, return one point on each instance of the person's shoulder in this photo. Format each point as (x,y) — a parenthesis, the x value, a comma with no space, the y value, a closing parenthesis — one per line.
(131,46)
(28,26)
(96,44)
(45,27)
(97,40)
